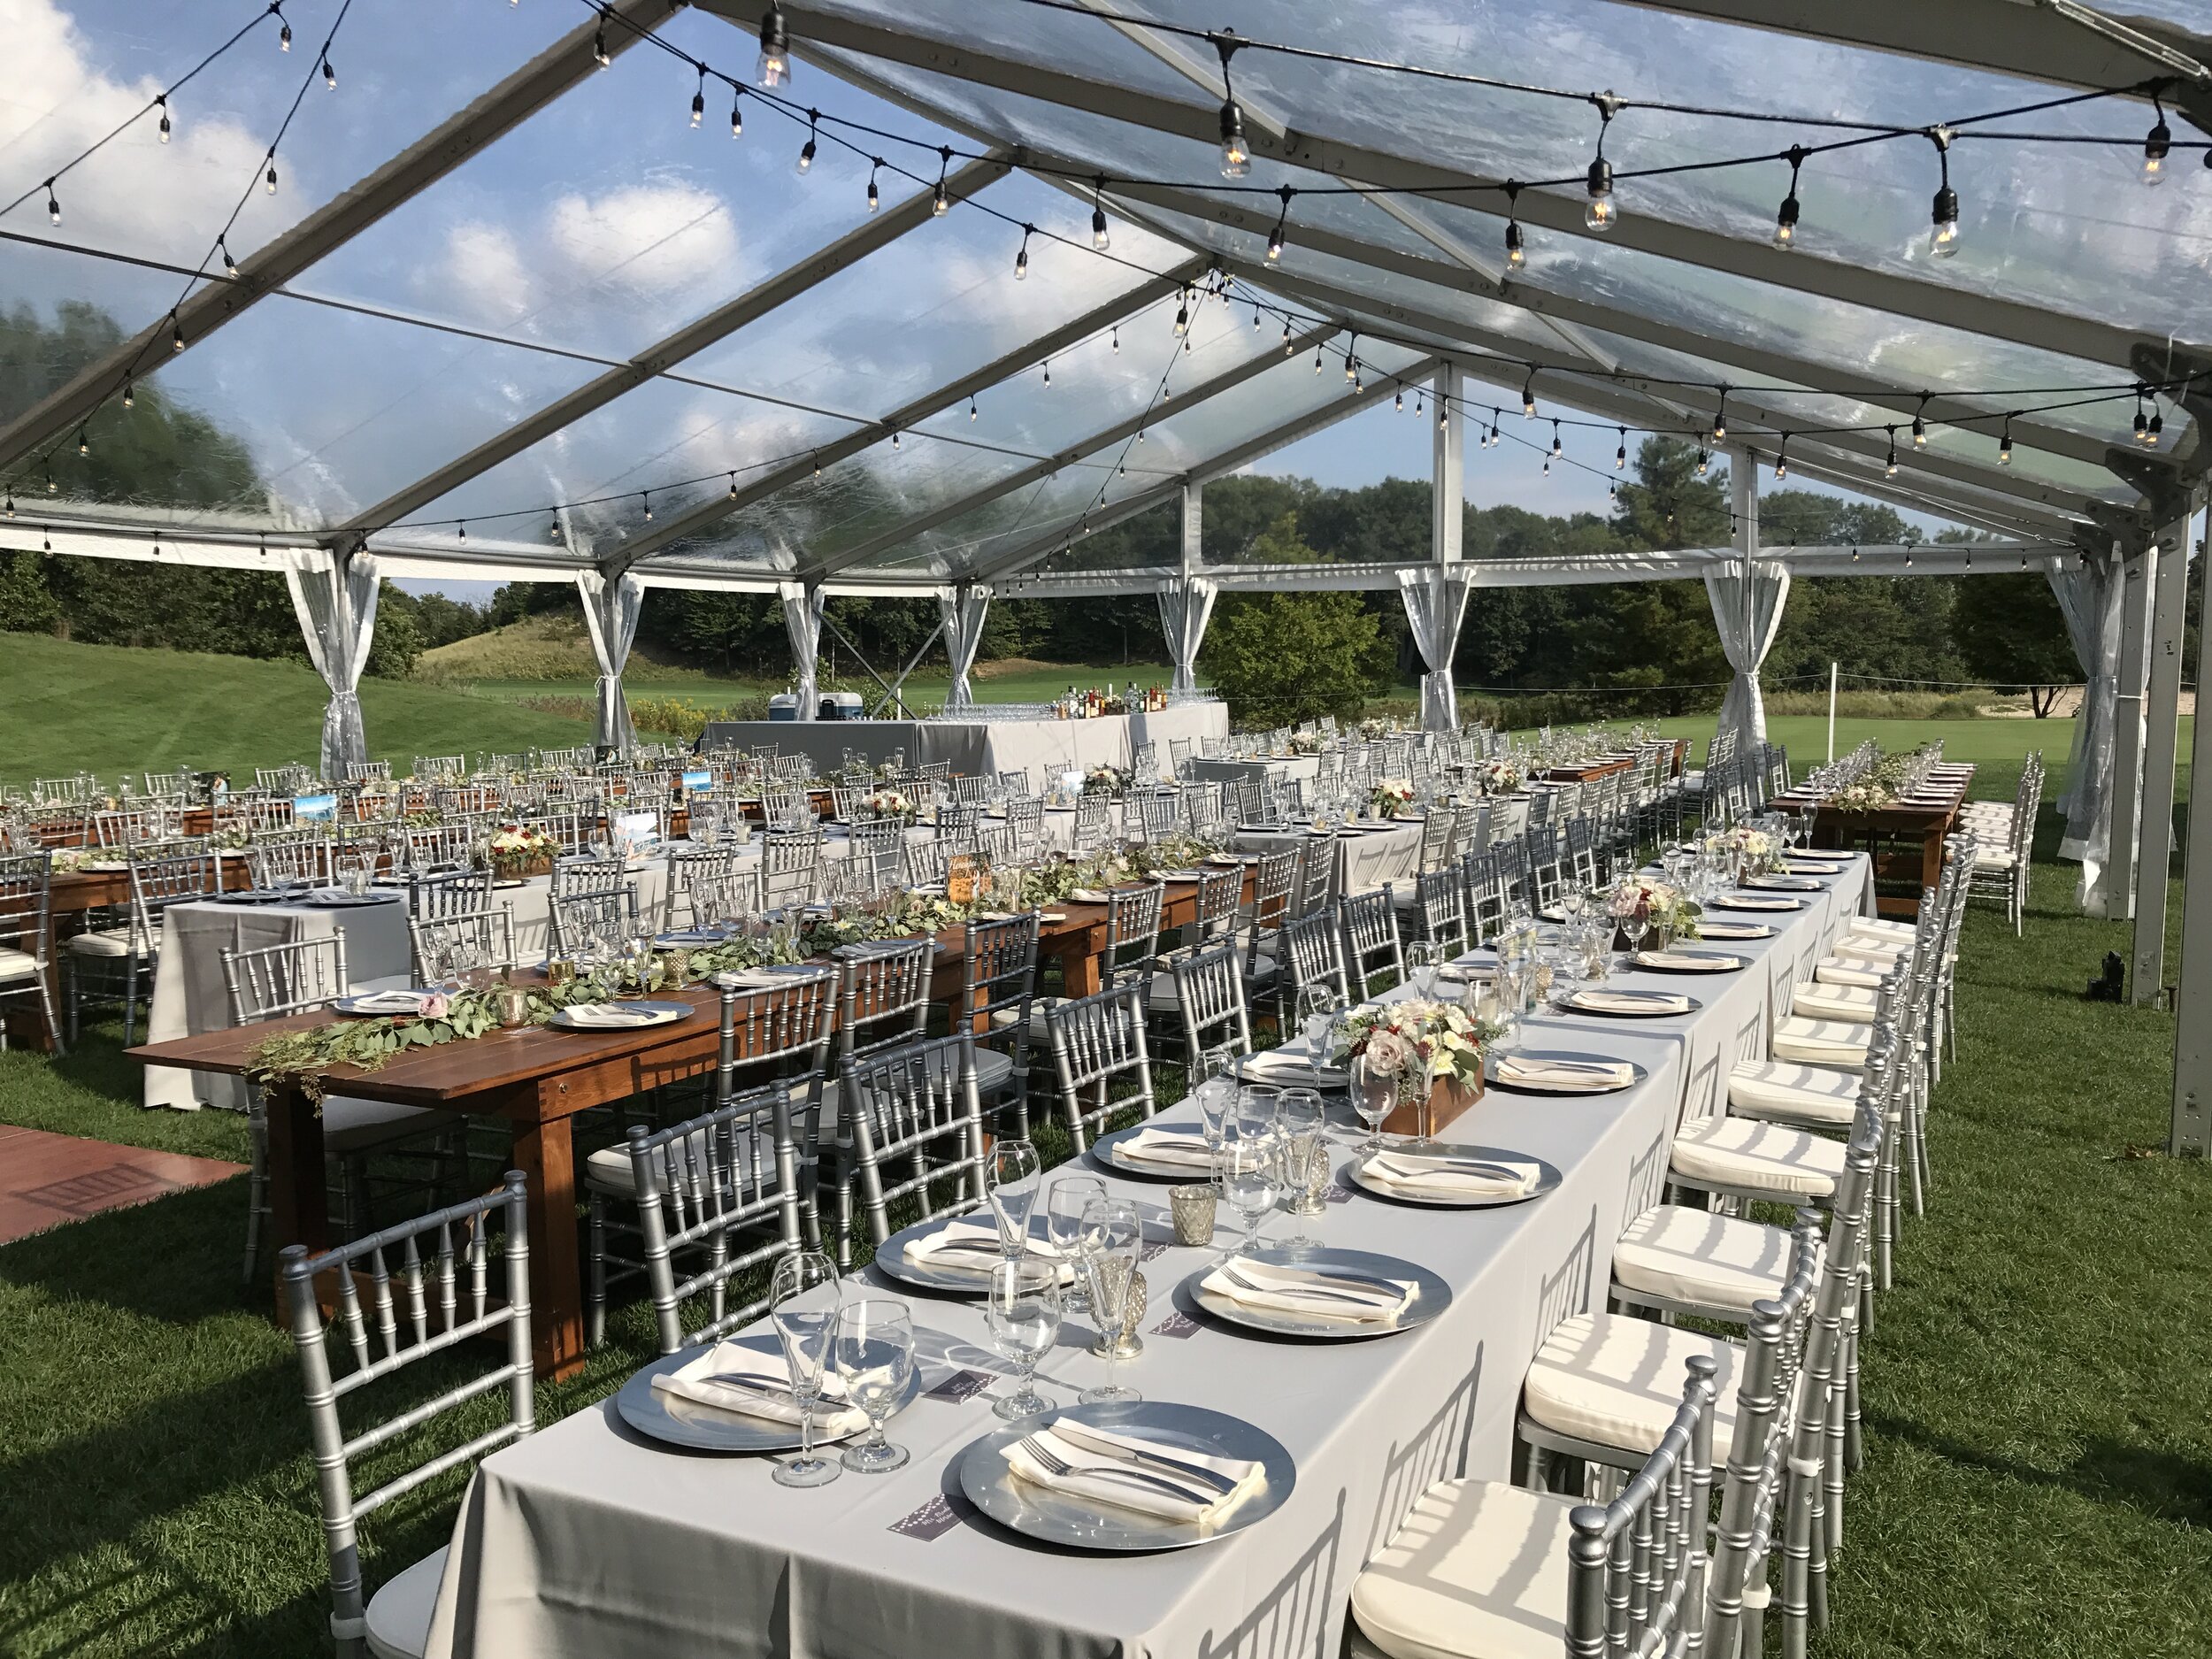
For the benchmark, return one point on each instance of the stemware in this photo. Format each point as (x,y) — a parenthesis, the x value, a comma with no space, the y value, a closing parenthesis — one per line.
(873,1351)
(1301,1122)
(1065,1202)
(1010,1182)
(1114,1235)
(1021,1306)
(1251,1175)
(805,1333)
(1421,968)
(1374,1092)
(1317,1016)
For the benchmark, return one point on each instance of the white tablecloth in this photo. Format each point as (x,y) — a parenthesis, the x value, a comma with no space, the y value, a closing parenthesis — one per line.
(1366,859)
(588,1540)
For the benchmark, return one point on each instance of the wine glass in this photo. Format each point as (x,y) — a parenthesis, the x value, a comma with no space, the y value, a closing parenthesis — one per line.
(1021,1308)
(1634,927)
(1065,1202)
(1317,1014)
(1374,1095)
(1300,1122)
(1116,1244)
(1421,968)
(1248,1176)
(1010,1181)
(873,1351)
(807,1277)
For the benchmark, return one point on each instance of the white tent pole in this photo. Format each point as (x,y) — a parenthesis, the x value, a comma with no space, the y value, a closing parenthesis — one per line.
(2191,1135)
(2169,601)
(2138,578)
(1832,711)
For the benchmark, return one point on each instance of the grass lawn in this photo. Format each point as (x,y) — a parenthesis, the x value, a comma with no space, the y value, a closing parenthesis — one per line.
(2039,1387)
(66,708)
(925,687)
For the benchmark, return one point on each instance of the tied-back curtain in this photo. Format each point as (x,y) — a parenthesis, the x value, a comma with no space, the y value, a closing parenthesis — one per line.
(964,609)
(802,621)
(1435,600)
(1186,605)
(610,617)
(336,601)
(2090,598)
(1747,596)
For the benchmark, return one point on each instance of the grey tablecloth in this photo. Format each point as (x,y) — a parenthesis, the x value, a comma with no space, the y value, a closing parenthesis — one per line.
(587,1540)
(1273,766)
(1366,859)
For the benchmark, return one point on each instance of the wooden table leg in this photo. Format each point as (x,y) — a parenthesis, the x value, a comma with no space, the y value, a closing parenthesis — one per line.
(299,1199)
(545,1156)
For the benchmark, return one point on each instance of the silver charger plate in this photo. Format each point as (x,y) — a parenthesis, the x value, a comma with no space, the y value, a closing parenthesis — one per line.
(352,1006)
(705,1428)
(892,1262)
(1718,962)
(1430,1295)
(663,1014)
(1656,1011)
(1104,1151)
(1545,1182)
(690,936)
(1491,1078)
(1052,1518)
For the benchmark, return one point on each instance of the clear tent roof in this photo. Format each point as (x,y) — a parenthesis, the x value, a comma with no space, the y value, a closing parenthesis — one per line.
(691,356)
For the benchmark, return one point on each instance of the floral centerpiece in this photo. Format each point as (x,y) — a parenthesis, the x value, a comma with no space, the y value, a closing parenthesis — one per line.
(1750,851)
(422,817)
(1390,796)
(1868,794)
(1500,776)
(1305,742)
(1430,1054)
(1668,913)
(514,852)
(888,803)
(1373,727)
(1104,780)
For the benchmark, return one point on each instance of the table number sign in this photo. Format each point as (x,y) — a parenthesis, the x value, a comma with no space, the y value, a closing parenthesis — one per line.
(1176,1324)
(962,1384)
(932,1520)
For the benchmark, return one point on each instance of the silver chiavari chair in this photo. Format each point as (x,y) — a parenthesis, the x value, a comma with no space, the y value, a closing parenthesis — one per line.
(780,1035)
(701,887)
(918,1102)
(1132,936)
(449,893)
(1436,839)
(1439,911)
(159,879)
(1098,1044)
(790,867)
(1208,988)
(998,997)
(1309,956)
(1025,825)
(925,861)
(883,1003)
(589,900)
(1481,1570)
(1274,879)
(1090,830)
(431,1286)
(274,862)
(26,909)
(1156,813)
(462,941)
(1367,942)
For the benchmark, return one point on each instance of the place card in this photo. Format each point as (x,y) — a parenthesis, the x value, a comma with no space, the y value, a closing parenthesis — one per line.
(1176,1325)
(961,1385)
(1153,1249)
(1336,1193)
(932,1520)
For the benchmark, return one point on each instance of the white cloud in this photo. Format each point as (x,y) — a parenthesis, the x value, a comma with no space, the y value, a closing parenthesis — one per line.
(660,239)
(484,270)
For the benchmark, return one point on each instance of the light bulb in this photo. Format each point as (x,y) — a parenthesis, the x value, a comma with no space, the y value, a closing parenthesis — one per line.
(2140,426)
(284,36)
(53,203)
(163,102)
(875,200)
(1557,448)
(230,265)
(330,77)
(600,55)
(1047,371)
(1889,468)
(895,438)
(2004,446)
(1115,338)
(806,155)
(84,444)
(1919,433)
(733,487)
(1275,243)
(737,116)
(2157,426)
(1720,422)
(645,499)
(1702,463)
(1236,160)
(270,182)
(1182,320)
(176,334)
(972,410)
(1100,237)
(1547,466)
(1399,402)
(1516,255)
(1943,241)
(1602,213)
(1021,262)
(2156,148)
(1785,222)
(1351,367)
(128,399)
(773,68)
(1782,462)
(698,106)
(940,202)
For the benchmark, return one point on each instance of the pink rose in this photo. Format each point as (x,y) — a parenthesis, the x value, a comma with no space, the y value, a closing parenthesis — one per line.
(437,1005)
(1387,1052)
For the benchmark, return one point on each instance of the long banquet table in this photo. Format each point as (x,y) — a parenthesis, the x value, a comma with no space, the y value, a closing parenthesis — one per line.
(970,746)
(587,1539)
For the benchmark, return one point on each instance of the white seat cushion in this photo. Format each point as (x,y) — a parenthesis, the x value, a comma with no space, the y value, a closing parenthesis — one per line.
(1745,1155)
(1817,999)
(101,941)
(1872,949)
(1478,1570)
(1821,1042)
(1617,1380)
(17,965)
(1005,1018)
(1687,1255)
(1882,927)
(1993,858)
(609,1170)
(399,1614)
(1789,1093)
(351,1124)
(1867,971)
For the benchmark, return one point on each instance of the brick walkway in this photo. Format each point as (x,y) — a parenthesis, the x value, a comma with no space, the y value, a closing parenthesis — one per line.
(46,1179)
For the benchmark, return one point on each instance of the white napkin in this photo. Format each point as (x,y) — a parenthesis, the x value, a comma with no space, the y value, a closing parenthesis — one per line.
(1800,869)
(1785,884)
(1088,896)
(1442,1177)
(1309,1292)
(1130,1471)
(607,1016)
(1576,1074)
(1157,1147)
(1734,929)
(749,1383)
(1289,1066)
(1685,962)
(390,1003)
(1622,1003)
(969,1244)
(1749,902)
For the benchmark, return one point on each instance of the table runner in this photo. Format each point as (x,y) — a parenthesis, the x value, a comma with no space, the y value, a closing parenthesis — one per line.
(587,1540)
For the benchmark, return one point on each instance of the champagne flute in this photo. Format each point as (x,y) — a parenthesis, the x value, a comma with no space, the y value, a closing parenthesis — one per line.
(1010,1182)
(1248,1176)
(1065,1202)
(1115,1233)
(873,1350)
(807,1277)
(1021,1306)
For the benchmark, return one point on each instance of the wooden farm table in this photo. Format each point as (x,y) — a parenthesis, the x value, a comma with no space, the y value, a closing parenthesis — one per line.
(537,1079)
(1904,840)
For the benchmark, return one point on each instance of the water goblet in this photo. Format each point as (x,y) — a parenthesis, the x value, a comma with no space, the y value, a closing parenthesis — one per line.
(1317,1014)
(1021,1308)
(873,1350)
(1010,1182)
(1065,1202)
(804,1298)
(1116,1244)
(1250,1177)
(1421,968)
(1305,1151)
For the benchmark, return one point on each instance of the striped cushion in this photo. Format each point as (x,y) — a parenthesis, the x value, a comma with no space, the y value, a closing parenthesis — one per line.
(1819,1000)
(1786,1093)
(1744,1154)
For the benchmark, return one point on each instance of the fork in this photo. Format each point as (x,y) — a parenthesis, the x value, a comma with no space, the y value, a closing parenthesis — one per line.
(1055,1464)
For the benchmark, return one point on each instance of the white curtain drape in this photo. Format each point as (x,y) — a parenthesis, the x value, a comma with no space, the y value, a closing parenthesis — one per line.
(1435,600)
(336,601)
(802,622)
(1747,598)
(610,617)
(2090,598)
(1187,606)
(964,609)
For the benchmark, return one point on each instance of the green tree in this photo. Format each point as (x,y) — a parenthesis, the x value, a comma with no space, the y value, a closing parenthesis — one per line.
(1282,657)
(2012,635)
